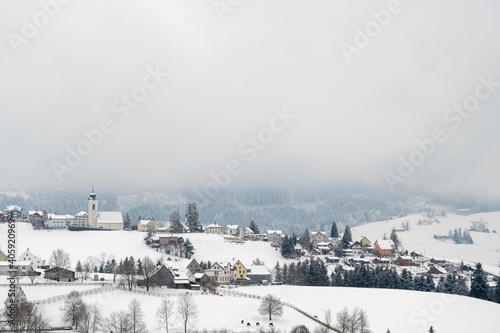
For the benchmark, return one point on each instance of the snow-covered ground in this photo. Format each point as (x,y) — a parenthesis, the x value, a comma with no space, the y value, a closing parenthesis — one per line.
(399,310)
(486,247)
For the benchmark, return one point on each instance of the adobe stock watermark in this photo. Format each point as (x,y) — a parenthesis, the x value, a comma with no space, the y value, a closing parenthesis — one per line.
(224,7)
(363,37)
(31,26)
(424,317)
(122,107)
(248,150)
(454,117)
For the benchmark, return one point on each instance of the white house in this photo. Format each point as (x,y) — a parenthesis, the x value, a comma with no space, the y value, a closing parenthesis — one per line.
(246,232)
(233,230)
(36,262)
(220,273)
(55,221)
(274,236)
(145,225)
(13,212)
(213,228)
(81,219)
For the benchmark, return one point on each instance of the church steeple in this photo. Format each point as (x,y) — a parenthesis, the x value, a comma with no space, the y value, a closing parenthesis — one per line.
(93,209)
(92,195)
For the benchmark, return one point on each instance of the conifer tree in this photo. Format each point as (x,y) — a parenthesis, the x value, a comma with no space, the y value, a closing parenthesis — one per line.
(479,286)
(334,232)
(346,237)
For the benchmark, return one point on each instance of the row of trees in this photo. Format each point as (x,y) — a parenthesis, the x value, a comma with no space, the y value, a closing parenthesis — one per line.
(90,319)
(313,272)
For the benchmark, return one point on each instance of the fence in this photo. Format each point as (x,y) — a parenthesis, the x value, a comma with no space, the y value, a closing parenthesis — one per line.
(83,293)
(58,284)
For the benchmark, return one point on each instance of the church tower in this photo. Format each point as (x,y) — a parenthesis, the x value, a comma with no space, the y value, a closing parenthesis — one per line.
(93,209)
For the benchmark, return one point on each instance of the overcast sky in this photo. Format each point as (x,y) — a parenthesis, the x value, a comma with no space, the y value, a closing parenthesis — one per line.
(280,92)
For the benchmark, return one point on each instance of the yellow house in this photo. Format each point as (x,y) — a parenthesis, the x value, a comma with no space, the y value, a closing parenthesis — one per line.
(240,272)
(364,241)
(145,225)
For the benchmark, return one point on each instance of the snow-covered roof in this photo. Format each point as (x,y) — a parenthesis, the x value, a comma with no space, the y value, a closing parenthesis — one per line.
(275,232)
(13,207)
(82,213)
(109,217)
(33,212)
(258,270)
(59,217)
(318,232)
(145,222)
(410,258)
(385,244)
(213,225)
(232,226)
(198,275)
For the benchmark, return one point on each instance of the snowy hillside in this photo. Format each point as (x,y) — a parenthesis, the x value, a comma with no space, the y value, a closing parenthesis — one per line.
(486,247)
(120,244)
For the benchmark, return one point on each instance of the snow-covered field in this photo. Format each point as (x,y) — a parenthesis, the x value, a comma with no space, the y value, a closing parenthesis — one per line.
(399,310)
(486,247)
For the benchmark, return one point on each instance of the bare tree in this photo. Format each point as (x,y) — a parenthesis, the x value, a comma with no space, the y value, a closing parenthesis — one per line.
(271,305)
(118,321)
(343,320)
(164,311)
(27,317)
(32,274)
(74,309)
(186,309)
(137,324)
(128,270)
(148,270)
(364,326)
(59,259)
(300,329)
(354,321)
(95,318)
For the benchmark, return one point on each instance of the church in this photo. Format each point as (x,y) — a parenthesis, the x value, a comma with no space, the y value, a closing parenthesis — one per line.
(103,220)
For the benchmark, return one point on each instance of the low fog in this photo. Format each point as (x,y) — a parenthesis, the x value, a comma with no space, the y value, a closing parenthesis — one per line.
(166,94)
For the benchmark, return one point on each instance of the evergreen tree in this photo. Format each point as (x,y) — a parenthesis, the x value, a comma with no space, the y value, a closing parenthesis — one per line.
(337,279)
(108,268)
(78,268)
(431,330)
(495,297)
(192,217)
(188,248)
(139,267)
(101,269)
(346,237)
(284,274)
(127,221)
(254,227)
(429,284)
(479,286)
(334,232)
(287,247)
(395,239)
(278,276)
(406,280)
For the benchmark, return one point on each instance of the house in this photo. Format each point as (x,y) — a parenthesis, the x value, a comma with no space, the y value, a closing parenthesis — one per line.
(59,274)
(81,219)
(55,221)
(13,212)
(197,279)
(172,227)
(37,217)
(258,275)
(1,216)
(233,230)
(36,262)
(240,272)
(438,261)
(170,240)
(246,232)
(364,241)
(274,236)
(405,261)
(333,260)
(145,225)
(110,220)
(194,267)
(416,255)
(163,276)
(436,271)
(299,250)
(325,247)
(384,248)
(357,248)
(220,273)
(213,228)
(18,267)
(318,237)
(381,262)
